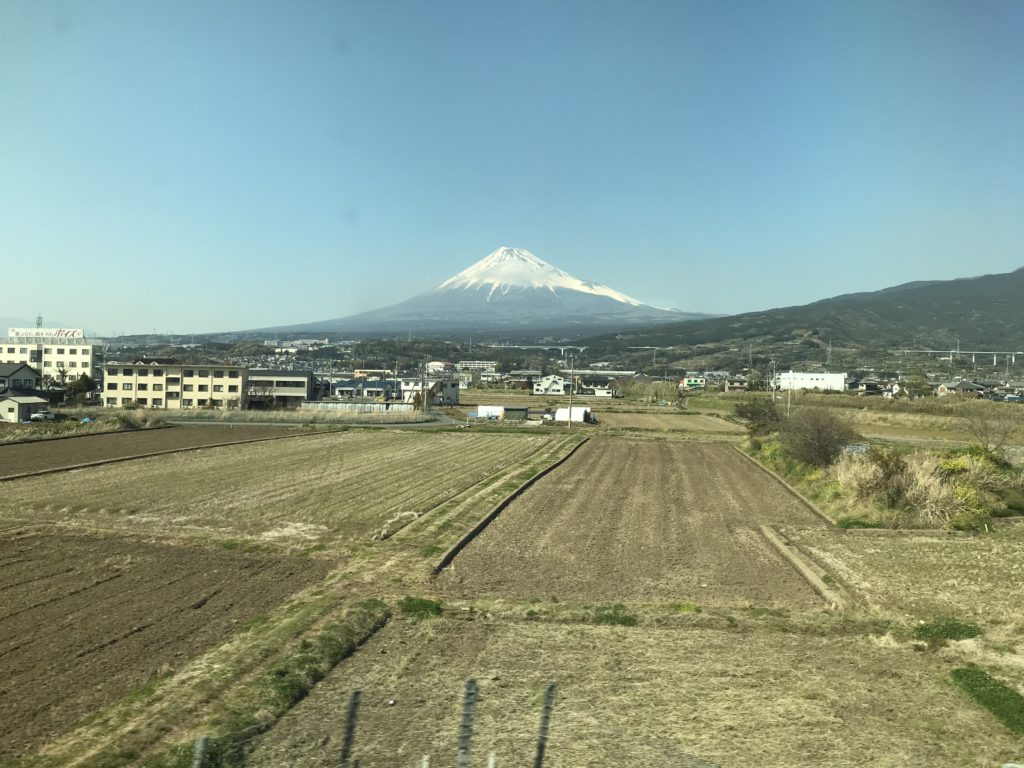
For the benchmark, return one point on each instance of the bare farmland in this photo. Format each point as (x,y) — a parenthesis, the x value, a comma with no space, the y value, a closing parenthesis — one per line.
(85,619)
(19,458)
(337,487)
(669,422)
(640,520)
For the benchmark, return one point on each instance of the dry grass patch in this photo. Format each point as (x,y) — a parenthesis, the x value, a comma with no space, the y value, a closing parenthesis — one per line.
(641,697)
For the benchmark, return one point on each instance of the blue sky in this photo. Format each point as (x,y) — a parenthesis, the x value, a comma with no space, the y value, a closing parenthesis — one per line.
(195,166)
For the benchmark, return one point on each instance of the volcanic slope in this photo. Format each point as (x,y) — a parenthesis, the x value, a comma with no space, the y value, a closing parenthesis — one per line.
(510,290)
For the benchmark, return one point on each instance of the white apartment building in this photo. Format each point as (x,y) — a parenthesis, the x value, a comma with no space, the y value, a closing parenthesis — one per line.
(826,382)
(60,354)
(174,386)
(480,366)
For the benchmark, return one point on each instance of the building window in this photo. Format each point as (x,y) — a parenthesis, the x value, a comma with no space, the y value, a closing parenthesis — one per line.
(60,350)
(204,387)
(142,401)
(173,380)
(143,386)
(202,403)
(157,401)
(111,385)
(218,387)
(126,386)
(173,396)
(158,387)
(126,372)
(111,401)
(23,351)
(72,351)
(203,374)
(143,372)
(217,403)
(126,401)
(158,371)
(188,372)
(232,374)
(218,374)
(186,388)
(232,387)
(186,402)
(111,371)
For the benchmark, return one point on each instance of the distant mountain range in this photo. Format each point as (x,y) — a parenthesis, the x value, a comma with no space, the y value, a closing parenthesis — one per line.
(976,313)
(511,291)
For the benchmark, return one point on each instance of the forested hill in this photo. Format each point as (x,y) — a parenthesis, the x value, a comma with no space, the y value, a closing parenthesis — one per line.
(981,312)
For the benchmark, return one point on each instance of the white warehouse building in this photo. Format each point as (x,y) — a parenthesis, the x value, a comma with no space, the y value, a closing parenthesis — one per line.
(826,382)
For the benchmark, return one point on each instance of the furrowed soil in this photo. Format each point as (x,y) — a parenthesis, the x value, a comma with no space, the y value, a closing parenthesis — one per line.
(643,696)
(640,520)
(19,458)
(84,620)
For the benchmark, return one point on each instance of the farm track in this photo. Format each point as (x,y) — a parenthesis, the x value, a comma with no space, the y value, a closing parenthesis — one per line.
(99,616)
(640,521)
(48,455)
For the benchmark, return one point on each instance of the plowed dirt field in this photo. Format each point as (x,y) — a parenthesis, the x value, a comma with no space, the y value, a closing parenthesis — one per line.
(670,422)
(641,520)
(18,458)
(85,619)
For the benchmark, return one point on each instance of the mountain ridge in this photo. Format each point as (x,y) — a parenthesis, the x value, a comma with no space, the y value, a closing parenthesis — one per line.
(509,291)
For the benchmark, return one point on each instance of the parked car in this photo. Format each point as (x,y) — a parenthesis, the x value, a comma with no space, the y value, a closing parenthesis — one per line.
(43,416)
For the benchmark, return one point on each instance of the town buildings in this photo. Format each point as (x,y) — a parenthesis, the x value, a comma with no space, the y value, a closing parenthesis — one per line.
(174,386)
(59,354)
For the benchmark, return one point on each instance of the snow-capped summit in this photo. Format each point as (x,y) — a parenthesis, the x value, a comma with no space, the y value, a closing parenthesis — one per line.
(511,291)
(508,268)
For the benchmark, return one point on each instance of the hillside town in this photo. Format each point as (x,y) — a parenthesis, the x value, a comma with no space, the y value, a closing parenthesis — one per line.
(45,367)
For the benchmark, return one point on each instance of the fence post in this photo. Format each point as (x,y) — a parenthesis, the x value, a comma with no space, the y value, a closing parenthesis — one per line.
(199,752)
(545,725)
(350,727)
(466,727)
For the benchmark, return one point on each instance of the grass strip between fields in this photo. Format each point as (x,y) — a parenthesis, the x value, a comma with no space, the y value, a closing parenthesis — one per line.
(997,697)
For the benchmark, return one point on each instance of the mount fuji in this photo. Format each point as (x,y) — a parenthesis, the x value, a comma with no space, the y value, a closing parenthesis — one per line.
(510,290)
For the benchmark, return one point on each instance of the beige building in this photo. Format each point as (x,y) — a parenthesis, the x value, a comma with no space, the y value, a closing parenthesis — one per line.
(60,354)
(174,386)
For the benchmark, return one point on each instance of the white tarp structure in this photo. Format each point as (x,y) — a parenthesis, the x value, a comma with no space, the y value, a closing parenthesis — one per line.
(580,414)
(490,411)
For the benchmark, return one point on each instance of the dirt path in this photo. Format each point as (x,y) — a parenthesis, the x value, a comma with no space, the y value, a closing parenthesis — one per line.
(18,458)
(640,521)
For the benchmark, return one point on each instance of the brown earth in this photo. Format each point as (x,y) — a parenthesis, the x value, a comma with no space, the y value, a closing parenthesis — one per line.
(641,520)
(18,458)
(646,696)
(85,620)
(668,422)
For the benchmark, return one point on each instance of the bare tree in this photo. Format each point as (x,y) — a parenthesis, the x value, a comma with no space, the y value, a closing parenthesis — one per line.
(817,436)
(993,426)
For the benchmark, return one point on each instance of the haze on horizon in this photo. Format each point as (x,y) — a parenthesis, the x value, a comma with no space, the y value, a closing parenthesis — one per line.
(188,167)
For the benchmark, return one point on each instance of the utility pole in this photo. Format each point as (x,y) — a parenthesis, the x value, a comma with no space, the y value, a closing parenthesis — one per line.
(572,381)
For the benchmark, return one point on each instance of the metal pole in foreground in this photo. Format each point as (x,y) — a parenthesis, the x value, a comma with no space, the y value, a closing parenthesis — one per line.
(466,727)
(199,752)
(350,727)
(545,725)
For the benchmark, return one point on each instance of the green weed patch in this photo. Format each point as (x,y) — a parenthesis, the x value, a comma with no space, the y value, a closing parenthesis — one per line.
(998,698)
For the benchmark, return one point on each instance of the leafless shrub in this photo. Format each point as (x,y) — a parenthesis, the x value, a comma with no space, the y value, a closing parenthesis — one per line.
(816,435)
